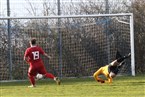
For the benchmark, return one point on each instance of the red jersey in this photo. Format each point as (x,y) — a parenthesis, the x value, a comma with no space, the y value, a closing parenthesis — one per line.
(33,54)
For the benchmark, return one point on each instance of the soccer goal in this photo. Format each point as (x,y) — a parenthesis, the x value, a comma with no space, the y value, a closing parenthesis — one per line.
(79,44)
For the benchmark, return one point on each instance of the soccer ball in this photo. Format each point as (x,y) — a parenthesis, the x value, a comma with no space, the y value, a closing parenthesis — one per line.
(39,76)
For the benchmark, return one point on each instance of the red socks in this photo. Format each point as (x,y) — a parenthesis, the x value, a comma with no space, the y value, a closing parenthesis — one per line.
(49,75)
(32,80)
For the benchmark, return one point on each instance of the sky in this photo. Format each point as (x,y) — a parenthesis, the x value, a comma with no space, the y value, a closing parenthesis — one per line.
(19,7)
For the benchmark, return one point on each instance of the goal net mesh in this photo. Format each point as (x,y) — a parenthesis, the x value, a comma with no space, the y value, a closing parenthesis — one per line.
(86,43)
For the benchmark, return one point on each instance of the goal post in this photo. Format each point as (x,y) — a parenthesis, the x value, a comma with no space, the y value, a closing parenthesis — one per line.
(87,42)
(132,44)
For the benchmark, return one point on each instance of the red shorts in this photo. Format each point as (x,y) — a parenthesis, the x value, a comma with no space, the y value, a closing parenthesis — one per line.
(35,68)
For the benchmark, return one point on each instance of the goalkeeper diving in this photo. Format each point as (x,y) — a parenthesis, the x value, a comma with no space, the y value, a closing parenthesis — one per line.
(111,70)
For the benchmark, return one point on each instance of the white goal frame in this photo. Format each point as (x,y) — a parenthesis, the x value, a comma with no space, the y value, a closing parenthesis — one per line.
(94,15)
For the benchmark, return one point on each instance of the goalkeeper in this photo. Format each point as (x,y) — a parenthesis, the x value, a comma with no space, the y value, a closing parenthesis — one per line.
(111,70)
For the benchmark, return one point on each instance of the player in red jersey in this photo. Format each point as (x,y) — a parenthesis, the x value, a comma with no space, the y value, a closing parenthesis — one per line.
(32,56)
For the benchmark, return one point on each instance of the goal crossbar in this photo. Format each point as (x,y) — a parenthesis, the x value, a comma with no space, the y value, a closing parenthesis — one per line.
(67,16)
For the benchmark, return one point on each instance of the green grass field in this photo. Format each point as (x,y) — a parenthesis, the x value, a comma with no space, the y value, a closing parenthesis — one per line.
(79,87)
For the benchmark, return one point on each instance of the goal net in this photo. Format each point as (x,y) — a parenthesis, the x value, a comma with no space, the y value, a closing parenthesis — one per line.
(79,44)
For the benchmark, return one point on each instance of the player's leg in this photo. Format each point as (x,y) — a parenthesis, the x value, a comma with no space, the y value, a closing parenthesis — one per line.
(119,61)
(106,72)
(57,80)
(31,76)
(121,64)
(96,75)
(114,63)
(43,71)
(32,80)
(112,74)
(123,58)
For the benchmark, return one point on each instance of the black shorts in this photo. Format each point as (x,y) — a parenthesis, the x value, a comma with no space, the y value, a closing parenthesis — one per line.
(113,69)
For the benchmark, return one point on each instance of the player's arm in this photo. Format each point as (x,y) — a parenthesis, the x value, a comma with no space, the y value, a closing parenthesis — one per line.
(45,54)
(109,80)
(96,76)
(26,58)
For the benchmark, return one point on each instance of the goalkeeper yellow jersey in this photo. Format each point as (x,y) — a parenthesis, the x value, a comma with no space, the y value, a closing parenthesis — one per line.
(103,70)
